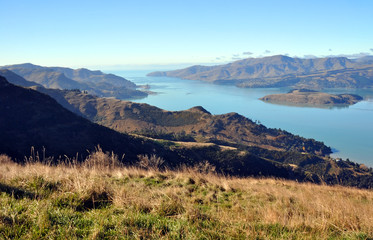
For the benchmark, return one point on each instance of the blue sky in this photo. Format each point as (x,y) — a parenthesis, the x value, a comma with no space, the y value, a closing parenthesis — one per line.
(161,34)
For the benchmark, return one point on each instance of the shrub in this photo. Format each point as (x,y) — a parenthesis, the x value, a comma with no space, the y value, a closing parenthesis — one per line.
(101,160)
(171,208)
(4,159)
(152,163)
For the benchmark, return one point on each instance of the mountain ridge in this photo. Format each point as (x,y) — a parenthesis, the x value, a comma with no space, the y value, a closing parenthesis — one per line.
(16,79)
(282,71)
(95,82)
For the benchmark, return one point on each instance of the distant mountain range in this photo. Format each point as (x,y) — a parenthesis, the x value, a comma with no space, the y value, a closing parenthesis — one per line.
(94,82)
(283,71)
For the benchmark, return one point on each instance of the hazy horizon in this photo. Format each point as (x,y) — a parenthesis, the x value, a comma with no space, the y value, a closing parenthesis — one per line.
(168,67)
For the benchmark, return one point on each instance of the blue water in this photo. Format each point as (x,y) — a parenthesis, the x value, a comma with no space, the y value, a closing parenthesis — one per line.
(349,130)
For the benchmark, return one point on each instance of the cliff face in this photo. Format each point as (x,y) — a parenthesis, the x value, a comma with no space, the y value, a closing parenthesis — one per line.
(283,71)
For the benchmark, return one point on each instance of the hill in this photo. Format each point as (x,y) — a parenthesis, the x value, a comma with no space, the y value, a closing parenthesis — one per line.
(32,120)
(283,71)
(306,97)
(94,82)
(98,202)
(195,124)
(16,79)
(29,118)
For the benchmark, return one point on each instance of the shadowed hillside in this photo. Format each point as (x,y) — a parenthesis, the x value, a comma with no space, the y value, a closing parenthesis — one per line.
(16,79)
(29,118)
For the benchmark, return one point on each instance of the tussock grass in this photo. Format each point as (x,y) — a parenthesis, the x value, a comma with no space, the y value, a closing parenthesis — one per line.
(100,199)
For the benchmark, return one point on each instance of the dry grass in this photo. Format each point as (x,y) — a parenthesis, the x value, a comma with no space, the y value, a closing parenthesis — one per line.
(189,203)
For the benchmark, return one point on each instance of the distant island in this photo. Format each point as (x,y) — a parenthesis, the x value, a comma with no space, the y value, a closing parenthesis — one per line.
(306,97)
(284,71)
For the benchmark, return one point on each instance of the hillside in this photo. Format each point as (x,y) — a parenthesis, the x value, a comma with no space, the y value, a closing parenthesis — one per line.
(34,121)
(16,79)
(29,118)
(94,82)
(94,201)
(195,124)
(304,97)
(283,71)
(33,124)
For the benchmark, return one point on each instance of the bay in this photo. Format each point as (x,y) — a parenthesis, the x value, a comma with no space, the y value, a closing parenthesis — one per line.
(347,130)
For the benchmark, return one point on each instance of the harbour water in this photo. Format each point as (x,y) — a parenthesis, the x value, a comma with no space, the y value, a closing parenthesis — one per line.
(347,130)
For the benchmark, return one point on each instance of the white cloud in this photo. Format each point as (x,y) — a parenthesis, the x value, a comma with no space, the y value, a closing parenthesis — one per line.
(354,55)
(247,53)
(309,56)
(236,58)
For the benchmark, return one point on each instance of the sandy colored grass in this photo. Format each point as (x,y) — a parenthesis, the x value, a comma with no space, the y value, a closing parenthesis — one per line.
(185,204)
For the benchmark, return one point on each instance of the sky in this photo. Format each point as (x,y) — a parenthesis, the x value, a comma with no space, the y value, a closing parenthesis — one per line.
(148,34)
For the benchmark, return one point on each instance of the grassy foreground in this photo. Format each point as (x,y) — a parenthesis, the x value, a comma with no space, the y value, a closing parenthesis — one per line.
(101,200)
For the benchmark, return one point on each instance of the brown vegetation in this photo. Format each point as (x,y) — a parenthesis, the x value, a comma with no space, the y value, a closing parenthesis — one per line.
(188,203)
